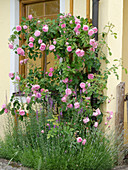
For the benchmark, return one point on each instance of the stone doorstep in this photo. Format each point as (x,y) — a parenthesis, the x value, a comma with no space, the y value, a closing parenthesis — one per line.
(123,167)
(12,166)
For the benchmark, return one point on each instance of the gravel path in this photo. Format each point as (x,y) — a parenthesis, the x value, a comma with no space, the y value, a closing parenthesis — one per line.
(12,166)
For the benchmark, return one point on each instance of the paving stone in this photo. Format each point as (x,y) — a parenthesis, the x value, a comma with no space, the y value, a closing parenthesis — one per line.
(13,165)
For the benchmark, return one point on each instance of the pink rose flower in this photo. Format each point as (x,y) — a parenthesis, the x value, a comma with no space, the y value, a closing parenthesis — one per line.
(63,25)
(69,14)
(95,30)
(86,120)
(76,105)
(51,69)
(18,78)
(61,16)
(79,139)
(63,99)
(90,76)
(92,41)
(51,47)
(65,80)
(50,74)
(37,33)
(90,32)
(82,85)
(82,53)
(96,124)
(35,87)
(38,95)
(28,99)
(30,17)
(42,47)
(76,29)
(31,39)
(25,60)
(45,28)
(25,27)
(92,49)
(38,21)
(88,84)
(42,131)
(110,112)
(70,22)
(78,32)
(54,42)
(84,141)
(69,105)
(95,114)
(83,90)
(105,123)
(3,106)
(21,62)
(11,75)
(95,45)
(6,110)
(69,49)
(98,111)
(46,91)
(68,91)
(20,51)
(40,41)
(87,98)
(42,90)
(30,44)
(18,28)
(79,53)
(77,21)
(78,26)
(67,43)
(10,46)
(22,112)
(85,28)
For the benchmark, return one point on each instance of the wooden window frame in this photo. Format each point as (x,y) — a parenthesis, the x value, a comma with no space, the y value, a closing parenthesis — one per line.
(22,4)
(22,13)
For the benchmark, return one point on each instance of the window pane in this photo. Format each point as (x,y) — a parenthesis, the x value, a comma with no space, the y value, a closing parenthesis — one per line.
(51,8)
(36,9)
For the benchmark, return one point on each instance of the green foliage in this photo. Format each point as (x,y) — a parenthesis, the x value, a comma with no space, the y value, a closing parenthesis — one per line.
(63,103)
(26,144)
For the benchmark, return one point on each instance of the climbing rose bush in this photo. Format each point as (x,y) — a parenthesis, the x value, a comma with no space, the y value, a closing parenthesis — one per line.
(73,87)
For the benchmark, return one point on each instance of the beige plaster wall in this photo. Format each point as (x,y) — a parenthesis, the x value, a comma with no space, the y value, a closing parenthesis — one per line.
(4,55)
(112,11)
(125,58)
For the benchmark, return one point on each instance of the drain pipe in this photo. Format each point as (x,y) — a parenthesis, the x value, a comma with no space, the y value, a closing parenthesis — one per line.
(95,14)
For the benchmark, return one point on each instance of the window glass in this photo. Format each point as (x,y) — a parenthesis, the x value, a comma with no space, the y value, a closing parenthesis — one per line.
(47,9)
(36,9)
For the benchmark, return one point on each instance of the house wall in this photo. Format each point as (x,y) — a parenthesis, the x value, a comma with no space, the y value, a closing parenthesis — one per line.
(4,55)
(110,10)
(125,59)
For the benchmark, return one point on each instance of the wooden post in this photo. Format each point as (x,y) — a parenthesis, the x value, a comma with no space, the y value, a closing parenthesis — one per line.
(88,9)
(119,118)
(71,7)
